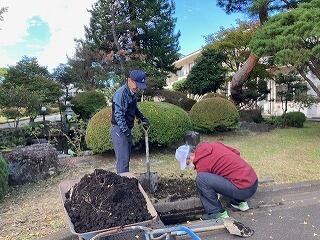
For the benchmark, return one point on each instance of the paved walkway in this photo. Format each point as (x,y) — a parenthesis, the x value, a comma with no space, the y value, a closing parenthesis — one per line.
(50,118)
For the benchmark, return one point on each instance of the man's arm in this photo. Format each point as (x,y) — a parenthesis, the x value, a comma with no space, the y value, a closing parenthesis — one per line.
(120,107)
(232,149)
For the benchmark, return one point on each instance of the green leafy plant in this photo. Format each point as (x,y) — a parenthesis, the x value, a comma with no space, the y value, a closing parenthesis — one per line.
(214,114)
(294,119)
(4,174)
(86,104)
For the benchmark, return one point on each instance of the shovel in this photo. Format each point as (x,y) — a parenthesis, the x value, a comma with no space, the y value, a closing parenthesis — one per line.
(148,180)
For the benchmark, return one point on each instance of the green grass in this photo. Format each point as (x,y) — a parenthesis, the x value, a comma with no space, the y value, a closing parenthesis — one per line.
(286,155)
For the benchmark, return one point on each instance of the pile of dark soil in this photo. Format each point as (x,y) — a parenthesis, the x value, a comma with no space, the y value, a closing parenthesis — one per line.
(176,188)
(104,200)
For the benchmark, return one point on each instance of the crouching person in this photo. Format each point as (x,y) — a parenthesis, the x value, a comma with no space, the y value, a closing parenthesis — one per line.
(220,169)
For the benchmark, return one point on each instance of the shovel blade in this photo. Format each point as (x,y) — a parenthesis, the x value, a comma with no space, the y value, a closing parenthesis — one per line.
(149,186)
(237,228)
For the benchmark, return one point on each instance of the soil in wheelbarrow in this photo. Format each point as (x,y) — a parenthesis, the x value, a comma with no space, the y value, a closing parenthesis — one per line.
(173,189)
(103,200)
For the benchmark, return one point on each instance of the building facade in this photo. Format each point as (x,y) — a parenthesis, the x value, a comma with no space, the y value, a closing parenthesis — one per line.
(271,106)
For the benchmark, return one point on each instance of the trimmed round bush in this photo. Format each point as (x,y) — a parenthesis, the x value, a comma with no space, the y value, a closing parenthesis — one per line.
(294,119)
(212,95)
(214,114)
(85,104)
(4,174)
(169,123)
(98,134)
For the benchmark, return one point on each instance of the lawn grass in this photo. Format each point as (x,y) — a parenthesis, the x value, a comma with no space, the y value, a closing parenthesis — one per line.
(287,155)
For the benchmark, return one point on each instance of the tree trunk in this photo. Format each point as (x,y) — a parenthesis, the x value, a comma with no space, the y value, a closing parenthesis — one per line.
(116,42)
(309,81)
(314,68)
(133,29)
(242,74)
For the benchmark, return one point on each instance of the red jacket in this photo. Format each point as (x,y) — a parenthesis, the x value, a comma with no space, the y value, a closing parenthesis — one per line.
(217,158)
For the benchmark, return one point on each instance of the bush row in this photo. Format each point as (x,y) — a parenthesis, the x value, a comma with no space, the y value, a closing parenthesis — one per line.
(169,123)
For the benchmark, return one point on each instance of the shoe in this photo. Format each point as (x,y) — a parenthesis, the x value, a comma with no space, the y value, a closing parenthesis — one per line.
(242,206)
(220,215)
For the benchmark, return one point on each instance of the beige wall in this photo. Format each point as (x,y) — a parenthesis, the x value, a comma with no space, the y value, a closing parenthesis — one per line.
(185,63)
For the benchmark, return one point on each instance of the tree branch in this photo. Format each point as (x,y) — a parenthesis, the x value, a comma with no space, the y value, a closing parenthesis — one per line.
(309,81)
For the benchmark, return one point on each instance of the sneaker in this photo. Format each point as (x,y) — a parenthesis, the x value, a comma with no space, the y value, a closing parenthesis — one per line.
(222,215)
(242,206)
(219,215)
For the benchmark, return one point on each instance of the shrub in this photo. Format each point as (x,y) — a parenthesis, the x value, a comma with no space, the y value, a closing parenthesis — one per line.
(98,134)
(252,115)
(294,119)
(86,104)
(212,95)
(175,97)
(275,120)
(214,114)
(3,177)
(169,123)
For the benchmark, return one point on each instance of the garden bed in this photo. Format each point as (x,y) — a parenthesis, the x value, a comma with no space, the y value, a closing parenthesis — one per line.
(176,200)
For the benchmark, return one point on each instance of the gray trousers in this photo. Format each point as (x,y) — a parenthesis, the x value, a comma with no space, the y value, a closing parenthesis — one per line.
(122,149)
(209,185)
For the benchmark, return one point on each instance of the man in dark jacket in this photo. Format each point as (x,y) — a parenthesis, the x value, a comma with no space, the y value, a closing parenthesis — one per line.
(124,112)
(220,169)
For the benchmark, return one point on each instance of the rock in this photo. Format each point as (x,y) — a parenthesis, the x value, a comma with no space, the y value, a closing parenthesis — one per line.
(32,163)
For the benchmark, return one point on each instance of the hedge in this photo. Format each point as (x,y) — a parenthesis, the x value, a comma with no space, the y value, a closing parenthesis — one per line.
(214,114)
(294,119)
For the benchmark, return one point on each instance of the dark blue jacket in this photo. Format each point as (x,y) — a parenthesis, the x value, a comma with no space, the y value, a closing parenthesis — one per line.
(125,109)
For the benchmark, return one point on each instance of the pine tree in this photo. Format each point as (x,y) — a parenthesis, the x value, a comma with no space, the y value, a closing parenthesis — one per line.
(135,30)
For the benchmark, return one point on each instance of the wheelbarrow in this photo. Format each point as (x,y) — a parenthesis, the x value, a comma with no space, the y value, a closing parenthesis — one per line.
(149,180)
(231,225)
(67,184)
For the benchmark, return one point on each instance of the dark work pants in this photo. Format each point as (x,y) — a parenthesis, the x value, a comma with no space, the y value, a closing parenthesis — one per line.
(122,148)
(209,185)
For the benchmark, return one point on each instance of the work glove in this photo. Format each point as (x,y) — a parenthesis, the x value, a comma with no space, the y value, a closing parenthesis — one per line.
(145,123)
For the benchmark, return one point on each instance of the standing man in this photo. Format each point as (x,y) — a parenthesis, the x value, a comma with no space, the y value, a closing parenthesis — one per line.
(220,169)
(124,112)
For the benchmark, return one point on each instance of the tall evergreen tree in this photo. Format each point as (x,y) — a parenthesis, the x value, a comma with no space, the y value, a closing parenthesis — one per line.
(135,30)
(208,74)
